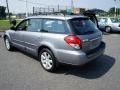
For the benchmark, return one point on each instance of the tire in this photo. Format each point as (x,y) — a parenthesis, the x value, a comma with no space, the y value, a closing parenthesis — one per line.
(108,29)
(47,60)
(8,45)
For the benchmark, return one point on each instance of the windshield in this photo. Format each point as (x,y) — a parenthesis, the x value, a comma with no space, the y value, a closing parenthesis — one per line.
(115,20)
(83,26)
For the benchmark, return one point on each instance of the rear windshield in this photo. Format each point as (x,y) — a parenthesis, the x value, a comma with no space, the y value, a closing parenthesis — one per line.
(83,26)
(115,20)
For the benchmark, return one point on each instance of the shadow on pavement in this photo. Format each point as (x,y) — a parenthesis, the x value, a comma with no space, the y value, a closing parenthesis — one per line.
(92,70)
(105,33)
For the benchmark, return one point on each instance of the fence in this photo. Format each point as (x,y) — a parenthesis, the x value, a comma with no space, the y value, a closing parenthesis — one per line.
(50,9)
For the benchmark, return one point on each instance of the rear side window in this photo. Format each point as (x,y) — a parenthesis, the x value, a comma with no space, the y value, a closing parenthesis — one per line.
(83,26)
(54,26)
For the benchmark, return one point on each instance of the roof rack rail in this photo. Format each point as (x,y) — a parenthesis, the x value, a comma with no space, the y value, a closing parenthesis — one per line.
(58,13)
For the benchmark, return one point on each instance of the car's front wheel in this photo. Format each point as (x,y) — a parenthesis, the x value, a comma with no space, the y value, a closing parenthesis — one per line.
(48,60)
(108,29)
(8,44)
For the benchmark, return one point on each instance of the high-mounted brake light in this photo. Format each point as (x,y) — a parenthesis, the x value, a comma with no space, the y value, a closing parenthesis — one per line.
(73,41)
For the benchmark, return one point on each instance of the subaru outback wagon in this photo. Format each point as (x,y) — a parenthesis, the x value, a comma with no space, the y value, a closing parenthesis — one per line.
(73,40)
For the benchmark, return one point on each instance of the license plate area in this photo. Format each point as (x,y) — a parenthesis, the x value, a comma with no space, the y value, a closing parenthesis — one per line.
(94,43)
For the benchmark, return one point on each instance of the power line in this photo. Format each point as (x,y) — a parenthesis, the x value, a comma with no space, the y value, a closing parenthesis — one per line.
(26,9)
(41,3)
(31,2)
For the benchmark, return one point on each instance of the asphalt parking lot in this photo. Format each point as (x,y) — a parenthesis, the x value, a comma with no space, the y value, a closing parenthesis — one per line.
(19,71)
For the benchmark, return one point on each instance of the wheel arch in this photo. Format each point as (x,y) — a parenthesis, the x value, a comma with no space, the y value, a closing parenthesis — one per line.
(108,26)
(6,35)
(44,46)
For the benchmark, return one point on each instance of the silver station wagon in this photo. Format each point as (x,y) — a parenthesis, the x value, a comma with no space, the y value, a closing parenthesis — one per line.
(71,39)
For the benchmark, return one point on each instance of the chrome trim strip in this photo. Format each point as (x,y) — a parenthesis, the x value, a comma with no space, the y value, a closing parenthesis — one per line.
(25,42)
(95,38)
(30,44)
(18,40)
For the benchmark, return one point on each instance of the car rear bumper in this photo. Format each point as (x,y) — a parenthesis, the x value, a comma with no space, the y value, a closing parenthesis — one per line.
(80,57)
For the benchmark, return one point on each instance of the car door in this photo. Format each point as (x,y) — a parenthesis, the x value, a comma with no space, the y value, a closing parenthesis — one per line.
(92,17)
(32,35)
(103,23)
(18,38)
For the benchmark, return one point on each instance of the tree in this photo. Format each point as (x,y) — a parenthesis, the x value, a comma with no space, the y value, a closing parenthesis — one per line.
(97,11)
(2,12)
(112,11)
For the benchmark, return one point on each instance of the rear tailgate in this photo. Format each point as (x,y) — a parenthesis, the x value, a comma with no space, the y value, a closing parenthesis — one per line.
(88,33)
(90,41)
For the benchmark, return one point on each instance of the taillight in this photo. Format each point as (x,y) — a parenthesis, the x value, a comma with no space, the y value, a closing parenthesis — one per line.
(119,25)
(73,41)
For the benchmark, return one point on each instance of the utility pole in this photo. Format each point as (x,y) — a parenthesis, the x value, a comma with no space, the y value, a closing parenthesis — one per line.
(72,5)
(58,8)
(33,10)
(116,7)
(48,9)
(26,9)
(26,12)
(8,11)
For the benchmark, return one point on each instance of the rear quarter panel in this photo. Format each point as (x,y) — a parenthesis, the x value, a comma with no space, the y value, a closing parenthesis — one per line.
(56,43)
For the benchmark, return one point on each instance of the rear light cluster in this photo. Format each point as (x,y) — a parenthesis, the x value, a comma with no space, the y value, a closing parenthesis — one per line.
(73,41)
(119,25)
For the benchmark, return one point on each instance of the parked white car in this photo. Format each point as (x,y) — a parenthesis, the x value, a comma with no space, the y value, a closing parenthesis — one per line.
(109,24)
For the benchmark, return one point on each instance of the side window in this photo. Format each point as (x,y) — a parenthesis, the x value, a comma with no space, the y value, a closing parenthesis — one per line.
(103,20)
(54,26)
(98,19)
(23,25)
(34,25)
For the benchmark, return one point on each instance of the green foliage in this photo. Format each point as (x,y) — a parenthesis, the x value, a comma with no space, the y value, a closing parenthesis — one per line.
(113,12)
(4,24)
(2,12)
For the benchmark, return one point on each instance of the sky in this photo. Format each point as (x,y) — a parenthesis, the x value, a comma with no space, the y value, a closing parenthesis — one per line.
(19,6)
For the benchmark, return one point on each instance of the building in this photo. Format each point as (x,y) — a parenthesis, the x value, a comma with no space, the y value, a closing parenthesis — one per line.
(78,10)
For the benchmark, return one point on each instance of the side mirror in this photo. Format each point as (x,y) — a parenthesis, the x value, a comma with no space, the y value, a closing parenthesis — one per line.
(13,28)
(14,22)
